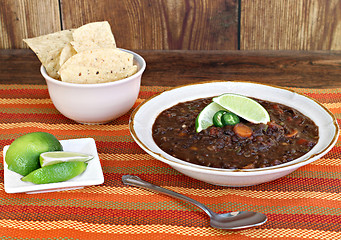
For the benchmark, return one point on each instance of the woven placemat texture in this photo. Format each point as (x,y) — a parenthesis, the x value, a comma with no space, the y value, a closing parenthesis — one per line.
(303,205)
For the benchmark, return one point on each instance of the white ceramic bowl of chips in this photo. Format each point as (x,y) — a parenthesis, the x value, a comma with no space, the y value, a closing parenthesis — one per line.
(143,117)
(96,103)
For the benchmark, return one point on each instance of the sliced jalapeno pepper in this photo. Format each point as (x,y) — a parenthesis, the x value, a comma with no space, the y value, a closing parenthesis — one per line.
(217,118)
(229,118)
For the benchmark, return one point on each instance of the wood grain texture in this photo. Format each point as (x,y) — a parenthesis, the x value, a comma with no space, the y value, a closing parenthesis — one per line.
(161,24)
(183,24)
(290,25)
(21,19)
(283,68)
(318,69)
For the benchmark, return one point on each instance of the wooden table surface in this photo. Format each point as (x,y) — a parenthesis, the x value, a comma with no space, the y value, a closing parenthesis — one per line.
(317,69)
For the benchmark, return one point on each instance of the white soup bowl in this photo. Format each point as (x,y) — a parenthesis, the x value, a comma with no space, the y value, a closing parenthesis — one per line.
(143,117)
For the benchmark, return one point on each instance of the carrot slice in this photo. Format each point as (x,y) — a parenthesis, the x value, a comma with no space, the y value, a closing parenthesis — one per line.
(242,130)
(302,141)
(293,133)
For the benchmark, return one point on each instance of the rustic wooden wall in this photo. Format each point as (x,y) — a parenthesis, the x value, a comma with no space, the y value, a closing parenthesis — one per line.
(27,18)
(161,24)
(287,24)
(183,24)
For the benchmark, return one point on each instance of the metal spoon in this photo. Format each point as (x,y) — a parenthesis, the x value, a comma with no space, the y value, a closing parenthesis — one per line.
(231,220)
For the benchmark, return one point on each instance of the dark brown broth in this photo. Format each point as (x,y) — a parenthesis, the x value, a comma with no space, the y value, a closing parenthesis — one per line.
(288,136)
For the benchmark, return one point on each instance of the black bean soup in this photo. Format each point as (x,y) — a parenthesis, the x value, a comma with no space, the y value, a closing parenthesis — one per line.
(288,136)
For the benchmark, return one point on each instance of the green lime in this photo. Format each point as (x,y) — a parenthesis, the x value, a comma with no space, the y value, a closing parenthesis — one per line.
(217,118)
(205,117)
(229,118)
(59,172)
(244,107)
(49,158)
(22,155)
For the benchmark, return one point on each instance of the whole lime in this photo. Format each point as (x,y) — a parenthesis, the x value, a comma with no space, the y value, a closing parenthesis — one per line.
(23,154)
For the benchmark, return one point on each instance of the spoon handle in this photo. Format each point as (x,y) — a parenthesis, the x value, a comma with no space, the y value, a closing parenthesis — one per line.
(138,182)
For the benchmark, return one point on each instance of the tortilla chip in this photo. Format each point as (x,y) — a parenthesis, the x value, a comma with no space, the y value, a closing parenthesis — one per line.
(84,45)
(92,36)
(98,66)
(67,52)
(90,75)
(52,65)
(48,48)
(87,54)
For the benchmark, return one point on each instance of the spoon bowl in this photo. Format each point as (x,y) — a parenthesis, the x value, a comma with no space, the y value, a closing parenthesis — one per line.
(229,221)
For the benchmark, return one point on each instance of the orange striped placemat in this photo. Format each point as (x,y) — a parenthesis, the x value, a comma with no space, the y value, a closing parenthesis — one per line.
(303,205)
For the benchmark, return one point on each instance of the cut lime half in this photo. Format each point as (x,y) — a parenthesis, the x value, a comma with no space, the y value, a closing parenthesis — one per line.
(244,107)
(205,117)
(50,158)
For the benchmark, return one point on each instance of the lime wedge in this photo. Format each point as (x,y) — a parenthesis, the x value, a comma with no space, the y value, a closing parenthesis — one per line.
(205,117)
(59,172)
(49,158)
(244,107)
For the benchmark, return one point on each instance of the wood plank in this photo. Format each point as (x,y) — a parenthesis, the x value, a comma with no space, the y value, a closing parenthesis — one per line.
(290,25)
(20,66)
(283,68)
(27,18)
(161,24)
(319,69)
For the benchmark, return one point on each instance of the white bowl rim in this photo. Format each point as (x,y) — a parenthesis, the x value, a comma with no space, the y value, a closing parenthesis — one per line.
(94,85)
(234,172)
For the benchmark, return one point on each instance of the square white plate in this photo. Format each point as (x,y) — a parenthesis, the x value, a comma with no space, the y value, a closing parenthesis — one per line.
(93,175)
